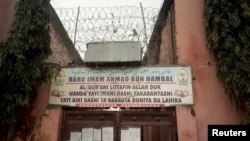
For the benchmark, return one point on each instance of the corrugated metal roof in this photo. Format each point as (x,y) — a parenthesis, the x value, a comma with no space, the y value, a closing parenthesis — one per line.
(125,51)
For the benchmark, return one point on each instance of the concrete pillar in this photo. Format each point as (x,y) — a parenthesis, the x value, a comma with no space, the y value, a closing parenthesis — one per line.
(51,125)
(211,104)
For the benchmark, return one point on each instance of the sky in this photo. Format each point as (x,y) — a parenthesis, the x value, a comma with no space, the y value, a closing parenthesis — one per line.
(104,3)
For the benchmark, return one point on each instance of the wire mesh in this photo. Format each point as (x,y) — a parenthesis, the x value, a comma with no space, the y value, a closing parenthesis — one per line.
(95,24)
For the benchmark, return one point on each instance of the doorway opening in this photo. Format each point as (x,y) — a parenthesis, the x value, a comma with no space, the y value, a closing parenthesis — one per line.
(127,125)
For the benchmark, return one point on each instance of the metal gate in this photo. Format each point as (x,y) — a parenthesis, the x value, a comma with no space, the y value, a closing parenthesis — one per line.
(132,125)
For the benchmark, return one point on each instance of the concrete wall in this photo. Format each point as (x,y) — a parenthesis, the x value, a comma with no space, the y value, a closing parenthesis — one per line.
(60,54)
(7,12)
(51,126)
(49,118)
(211,104)
(47,127)
(165,57)
(39,108)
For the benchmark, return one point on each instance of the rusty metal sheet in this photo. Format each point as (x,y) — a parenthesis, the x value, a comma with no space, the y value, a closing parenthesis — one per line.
(124,51)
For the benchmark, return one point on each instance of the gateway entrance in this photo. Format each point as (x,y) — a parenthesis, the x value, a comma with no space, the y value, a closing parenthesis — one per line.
(132,125)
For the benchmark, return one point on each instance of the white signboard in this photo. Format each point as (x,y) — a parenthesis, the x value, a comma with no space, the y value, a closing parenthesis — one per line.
(125,134)
(97,134)
(75,136)
(131,134)
(122,87)
(107,133)
(87,134)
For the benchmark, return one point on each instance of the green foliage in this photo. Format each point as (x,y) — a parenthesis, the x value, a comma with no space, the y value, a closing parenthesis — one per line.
(22,55)
(228,36)
(50,71)
(246,120)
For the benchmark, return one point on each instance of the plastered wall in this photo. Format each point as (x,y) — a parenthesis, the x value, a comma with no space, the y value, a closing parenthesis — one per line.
(211,104)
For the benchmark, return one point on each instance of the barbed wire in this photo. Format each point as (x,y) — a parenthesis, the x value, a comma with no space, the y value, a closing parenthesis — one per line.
(94,24)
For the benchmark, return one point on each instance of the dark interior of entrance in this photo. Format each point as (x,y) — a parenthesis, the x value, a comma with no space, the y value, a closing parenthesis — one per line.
(124,125)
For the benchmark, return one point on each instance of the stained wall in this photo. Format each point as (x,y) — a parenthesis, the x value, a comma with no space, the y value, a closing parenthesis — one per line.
(211,104)
(7,16)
